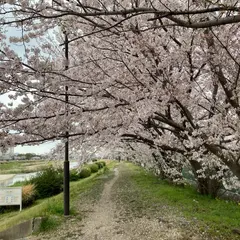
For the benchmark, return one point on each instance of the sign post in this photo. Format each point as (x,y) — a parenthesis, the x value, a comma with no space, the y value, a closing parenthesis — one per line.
(11,196)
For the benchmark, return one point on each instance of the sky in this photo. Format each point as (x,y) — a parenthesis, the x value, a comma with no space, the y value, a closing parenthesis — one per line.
(37,149)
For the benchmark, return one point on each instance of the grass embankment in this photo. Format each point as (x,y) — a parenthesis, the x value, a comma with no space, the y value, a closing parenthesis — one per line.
(52,208)
(217,218)
(16,167)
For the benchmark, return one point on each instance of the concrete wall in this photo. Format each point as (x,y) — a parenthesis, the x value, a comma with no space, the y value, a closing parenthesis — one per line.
(21,230)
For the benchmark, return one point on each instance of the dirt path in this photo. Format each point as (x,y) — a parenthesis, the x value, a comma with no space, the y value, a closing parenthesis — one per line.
(120,214)
(108,222)
(101,224)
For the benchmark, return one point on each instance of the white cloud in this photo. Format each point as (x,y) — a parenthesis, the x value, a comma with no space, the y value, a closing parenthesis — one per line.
(37,149)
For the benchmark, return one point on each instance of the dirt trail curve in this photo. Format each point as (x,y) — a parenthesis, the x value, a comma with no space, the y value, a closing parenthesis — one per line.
(112,218)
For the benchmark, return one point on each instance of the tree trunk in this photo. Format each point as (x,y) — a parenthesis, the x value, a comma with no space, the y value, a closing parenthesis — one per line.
(206,185)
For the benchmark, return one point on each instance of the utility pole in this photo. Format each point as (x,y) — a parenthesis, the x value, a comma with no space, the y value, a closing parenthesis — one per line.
(66,161)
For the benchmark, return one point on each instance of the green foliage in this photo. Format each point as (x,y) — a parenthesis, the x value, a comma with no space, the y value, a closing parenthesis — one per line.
(93,168)
(48,182)
(74,175)
(100,164)
(85,172)
(29,155)
(49,223)
(103,163)
(20,184)
(54,207)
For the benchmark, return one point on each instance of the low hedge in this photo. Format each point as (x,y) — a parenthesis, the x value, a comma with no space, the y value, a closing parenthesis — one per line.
(85,172)
(93,167)
(74,175)
(100,164)
(103,163)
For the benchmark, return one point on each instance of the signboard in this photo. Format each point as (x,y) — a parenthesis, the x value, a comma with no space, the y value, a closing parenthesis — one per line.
(11,196)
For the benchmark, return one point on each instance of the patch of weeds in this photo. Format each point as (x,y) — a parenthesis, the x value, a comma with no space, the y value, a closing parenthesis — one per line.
(49,223)
(55,207)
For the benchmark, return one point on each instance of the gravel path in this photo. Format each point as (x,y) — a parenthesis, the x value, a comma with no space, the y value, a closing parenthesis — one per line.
(120,214)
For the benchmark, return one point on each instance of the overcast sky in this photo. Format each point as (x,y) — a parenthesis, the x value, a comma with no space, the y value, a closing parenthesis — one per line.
(38,149)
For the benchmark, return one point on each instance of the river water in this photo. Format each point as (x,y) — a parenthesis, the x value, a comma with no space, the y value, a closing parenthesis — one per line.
(25,176)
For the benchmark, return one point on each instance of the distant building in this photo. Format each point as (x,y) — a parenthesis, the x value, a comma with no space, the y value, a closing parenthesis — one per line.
(20,157)
(7,155)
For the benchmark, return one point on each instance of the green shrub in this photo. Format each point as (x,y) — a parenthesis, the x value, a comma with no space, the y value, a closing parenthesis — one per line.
(74,175)
(100,164)
(104,163)
(48,182)
(85,172)
(93,168)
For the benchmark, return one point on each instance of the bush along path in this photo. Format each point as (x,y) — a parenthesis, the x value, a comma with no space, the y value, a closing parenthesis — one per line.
(120,208)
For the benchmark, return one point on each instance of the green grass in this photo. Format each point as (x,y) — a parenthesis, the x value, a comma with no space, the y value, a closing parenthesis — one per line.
(52,208)
(14,167)
(49,223)
(218,217)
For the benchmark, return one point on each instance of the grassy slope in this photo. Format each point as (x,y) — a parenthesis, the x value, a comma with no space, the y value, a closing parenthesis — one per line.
(216,217)
(54,206)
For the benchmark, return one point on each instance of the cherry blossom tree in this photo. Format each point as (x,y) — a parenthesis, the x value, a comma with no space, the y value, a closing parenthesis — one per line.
(158,74)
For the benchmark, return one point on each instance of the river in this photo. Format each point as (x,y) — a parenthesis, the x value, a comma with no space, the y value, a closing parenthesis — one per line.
(10,179)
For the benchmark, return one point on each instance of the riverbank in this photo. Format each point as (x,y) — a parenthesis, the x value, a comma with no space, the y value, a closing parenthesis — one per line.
(23,170)
(51,209)
(131,204)
(22,166)
(6,179)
